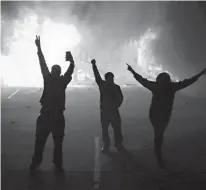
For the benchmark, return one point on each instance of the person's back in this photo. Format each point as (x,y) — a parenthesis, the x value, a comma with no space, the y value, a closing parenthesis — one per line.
(51,118)
(111,99)
(162,99)
(163,90)
(109,96)
(53,97)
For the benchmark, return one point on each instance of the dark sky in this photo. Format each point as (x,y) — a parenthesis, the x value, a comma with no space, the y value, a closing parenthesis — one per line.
(185,39)
(181,46)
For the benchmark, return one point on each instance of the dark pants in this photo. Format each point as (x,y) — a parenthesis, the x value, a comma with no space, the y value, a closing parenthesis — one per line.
(112,117)
(46,123)
(159,120)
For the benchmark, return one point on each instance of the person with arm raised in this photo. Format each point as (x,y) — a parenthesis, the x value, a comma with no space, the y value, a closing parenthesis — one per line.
(51,118)
(163,94)
(111,99)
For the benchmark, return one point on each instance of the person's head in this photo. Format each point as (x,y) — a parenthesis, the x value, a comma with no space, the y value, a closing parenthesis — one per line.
(56,70)
(163,79)
(109,77)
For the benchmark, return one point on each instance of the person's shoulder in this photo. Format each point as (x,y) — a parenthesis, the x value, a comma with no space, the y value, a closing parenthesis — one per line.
(103,82)
(65,77)
(47,77)
(117,86)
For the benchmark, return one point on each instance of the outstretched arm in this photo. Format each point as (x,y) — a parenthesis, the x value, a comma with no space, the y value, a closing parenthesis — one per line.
(42,62)
(97,76)
(144,82)
(187,82)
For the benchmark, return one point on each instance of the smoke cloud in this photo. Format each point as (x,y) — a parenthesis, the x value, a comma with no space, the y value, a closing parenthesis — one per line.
(146,35)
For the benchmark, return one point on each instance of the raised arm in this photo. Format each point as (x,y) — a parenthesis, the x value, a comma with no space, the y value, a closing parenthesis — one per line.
(68,74)
(187,82)
(42,62)
(144,82)
(70,69)
(97,76)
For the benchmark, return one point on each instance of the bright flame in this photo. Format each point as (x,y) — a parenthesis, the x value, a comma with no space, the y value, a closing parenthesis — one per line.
(146,59)
(138,52)
(21,67)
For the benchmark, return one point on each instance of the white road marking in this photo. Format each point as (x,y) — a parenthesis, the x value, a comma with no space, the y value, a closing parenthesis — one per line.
(97,163)
(13,93)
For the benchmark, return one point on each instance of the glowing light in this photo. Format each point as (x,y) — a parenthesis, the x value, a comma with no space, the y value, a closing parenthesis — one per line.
(58,38)
(146,59)
(138,52)
(21,67)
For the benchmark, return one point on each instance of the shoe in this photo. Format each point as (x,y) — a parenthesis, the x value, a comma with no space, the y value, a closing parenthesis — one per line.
(59,168)
(161,163)
(33,167)
(120,148)
(105,148)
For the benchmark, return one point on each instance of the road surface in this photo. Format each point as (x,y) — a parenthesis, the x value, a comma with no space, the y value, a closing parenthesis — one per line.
(85,166)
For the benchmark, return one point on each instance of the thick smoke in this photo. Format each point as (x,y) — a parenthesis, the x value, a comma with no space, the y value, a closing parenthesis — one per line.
(139,33)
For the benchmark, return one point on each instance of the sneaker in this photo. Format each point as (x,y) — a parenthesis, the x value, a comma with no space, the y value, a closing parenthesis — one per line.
(161,163)
(59,168)
(33,167)
(120,148)
(105,148)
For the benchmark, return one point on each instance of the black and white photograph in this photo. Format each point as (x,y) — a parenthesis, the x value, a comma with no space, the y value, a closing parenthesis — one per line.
(103,95)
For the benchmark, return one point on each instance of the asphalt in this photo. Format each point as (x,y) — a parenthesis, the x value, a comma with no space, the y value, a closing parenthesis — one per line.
(184,145)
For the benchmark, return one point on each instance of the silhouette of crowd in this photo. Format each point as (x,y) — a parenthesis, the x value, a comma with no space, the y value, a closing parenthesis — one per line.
(51,118)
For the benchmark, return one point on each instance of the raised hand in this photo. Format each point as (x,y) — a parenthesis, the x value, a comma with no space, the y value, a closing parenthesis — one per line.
(37,41)
(129,68)
(93,61)
(69,57)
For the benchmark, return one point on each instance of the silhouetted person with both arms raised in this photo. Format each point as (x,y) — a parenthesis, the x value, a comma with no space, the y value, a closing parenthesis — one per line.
(51,117)
(163,91)
(111,99)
